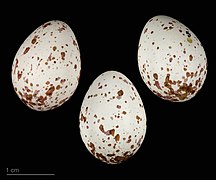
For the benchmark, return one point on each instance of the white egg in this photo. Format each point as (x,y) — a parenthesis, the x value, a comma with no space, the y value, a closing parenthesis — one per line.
(112,118)
(46,67)
(171,59)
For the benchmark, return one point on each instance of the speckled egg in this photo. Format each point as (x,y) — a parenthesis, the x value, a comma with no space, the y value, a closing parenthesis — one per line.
(46,67)
(172,61)
(112,118)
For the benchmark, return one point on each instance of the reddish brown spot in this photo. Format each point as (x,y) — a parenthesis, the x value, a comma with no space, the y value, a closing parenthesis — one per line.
(83,118)
(117,137)
(138,119)
(16,65)
(36,93)
(61,29)
(19,75)
(129,139)
(148,82)
(47,24)
(63,55)
(185,90)
(41,99)
(74,43)
(124,112)
(75,66)
(62,81)
(110,155)
(27,89)
(120,159)
(47,83)
(54,48)
(91,145)
(49,57)
(187,74)
(108,132)
(26,50)
(63,100)
(201,70)
(50,91)
(170,59)
(102,157)
(140,140)
(34,40)
(58,87)
(146,29)
(155,75)
(120,93)
(28,97)
(157,85)
(190,57)
(118,106)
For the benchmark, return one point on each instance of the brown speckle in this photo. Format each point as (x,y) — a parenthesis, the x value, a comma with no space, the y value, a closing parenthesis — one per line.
(26,50)
(188,74)
(61,29)
(120,159)
(47,24)
(129,139)
(102,157)
(62,81)
(83,118)
(41,99)
(74,43)
(58,87)
(63,55)
(54,48)
(146,29)
(124,112)
(118,106)
(108,132)
(117,137)
(138,119)
(155,75)
(19,75)
(50,91)
(120,93)
(190,57)
(16,65)
(157,85)
(91,145)
(34,40)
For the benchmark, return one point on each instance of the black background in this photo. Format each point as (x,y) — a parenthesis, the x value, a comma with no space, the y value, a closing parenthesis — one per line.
(179,137)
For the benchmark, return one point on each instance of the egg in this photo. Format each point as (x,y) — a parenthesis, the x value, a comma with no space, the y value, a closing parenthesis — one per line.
(112,118)
(46,68)
(171,59)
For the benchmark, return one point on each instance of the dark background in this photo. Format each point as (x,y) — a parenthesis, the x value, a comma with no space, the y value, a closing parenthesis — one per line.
(179,139)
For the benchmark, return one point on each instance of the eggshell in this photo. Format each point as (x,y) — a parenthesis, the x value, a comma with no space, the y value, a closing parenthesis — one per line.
(112,118)
(46,68)
(172,61)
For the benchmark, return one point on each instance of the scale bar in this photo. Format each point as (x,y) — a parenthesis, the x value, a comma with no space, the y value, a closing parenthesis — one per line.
(30,174)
